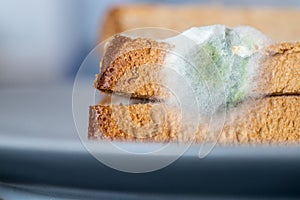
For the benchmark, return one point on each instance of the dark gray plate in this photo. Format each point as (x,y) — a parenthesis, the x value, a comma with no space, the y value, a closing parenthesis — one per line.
(39,146)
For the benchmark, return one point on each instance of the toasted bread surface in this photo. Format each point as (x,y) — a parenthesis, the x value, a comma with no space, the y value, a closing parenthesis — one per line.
(268,120)
(132,66)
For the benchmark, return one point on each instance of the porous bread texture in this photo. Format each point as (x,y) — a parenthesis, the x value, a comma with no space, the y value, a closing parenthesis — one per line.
(280,70)
(268,120)
(134,67)
(271,120)
(143,122)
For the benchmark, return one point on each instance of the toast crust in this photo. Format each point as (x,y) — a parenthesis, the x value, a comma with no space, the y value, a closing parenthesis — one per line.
(129,62)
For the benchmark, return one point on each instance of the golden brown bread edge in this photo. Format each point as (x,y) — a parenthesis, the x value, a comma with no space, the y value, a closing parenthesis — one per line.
(270,120)
(267,20)
(129,60)
(123,62)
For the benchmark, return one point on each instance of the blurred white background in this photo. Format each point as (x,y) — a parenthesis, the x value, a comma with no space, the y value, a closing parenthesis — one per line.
(43,41)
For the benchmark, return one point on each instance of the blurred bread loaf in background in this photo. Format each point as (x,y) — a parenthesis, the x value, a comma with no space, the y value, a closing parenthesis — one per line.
(280,24)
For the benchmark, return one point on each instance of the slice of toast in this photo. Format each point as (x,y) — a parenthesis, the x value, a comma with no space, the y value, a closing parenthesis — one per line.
(123,62)
(268,120)
(280,24)
(129,63)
